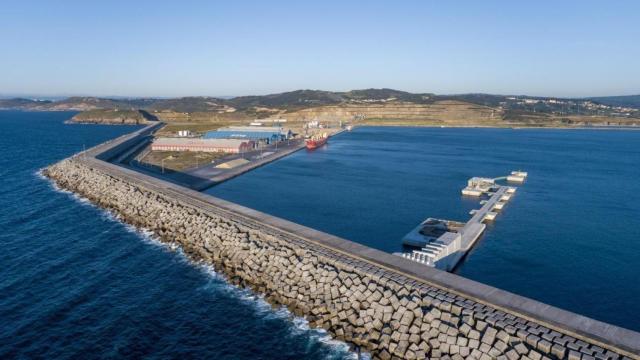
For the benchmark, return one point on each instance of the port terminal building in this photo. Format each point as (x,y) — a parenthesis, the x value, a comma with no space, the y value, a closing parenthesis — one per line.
(232,146)
(257,134)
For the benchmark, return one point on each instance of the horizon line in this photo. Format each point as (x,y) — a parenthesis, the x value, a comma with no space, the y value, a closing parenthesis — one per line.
(54,97)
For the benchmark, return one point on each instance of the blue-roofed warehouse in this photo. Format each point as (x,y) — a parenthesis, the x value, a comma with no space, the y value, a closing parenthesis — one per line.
(266,135)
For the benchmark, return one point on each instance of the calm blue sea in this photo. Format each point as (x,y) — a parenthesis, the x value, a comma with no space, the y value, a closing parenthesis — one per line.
(570,237)
(76,283)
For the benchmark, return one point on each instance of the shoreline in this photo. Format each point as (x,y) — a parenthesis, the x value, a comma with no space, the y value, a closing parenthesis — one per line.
(632,128)
(72,122)
(465,126)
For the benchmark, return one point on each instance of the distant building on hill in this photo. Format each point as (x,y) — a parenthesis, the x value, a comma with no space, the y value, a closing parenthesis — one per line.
(232,146)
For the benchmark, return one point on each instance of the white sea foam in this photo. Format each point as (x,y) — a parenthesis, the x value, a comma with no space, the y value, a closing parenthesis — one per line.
(257,302)
(82,200)
(144,234)
(264,309)
(39,174)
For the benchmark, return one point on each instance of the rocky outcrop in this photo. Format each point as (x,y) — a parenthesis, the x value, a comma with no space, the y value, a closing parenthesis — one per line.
(114,117)
(389,315)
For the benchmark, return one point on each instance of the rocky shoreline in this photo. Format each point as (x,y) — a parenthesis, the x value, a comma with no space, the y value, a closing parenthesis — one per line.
(113,117)
(386,316)
(104,122)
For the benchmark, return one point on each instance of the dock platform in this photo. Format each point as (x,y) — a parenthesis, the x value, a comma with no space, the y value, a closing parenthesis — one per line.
(447,249)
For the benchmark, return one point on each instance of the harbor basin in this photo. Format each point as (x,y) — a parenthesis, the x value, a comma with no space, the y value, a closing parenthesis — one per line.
(569,237)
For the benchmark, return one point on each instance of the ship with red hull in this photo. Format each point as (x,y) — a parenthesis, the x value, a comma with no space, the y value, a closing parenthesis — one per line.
(316,141)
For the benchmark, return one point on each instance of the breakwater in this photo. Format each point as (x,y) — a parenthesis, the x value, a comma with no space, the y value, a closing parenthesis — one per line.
(383,303)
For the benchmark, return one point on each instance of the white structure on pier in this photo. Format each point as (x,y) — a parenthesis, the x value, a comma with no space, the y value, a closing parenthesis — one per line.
(477,186)
(443,243)
(517,176)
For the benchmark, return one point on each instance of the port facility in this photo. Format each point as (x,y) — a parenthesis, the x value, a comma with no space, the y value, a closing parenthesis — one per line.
(231,146)
(264,134)
(444,243)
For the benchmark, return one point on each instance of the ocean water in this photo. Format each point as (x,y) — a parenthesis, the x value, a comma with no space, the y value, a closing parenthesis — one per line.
(570,237)
(77,283)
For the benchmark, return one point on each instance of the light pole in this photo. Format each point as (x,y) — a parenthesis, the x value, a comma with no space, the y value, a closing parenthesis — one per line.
(163,159)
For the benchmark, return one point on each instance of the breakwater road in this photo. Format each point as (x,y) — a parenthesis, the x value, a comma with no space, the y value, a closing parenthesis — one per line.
(385,304)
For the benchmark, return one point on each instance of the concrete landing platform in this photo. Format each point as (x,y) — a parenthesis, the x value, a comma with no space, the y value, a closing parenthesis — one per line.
(446,251)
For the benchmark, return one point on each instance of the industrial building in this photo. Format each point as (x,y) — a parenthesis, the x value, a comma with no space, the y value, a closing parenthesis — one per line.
(185,133)
(233,146)
(271,129)
(265,134)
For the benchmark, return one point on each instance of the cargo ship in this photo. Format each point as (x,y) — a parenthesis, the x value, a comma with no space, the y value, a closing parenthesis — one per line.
(316,141)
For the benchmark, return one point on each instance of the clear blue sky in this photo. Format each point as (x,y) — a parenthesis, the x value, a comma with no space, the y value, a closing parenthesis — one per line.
(218,48)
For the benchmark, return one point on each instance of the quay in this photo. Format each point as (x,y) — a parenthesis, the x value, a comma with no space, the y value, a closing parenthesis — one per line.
(388,306)
(205,176)
(219,177)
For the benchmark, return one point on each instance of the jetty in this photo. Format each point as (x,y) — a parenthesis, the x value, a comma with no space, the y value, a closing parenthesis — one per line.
(444,243)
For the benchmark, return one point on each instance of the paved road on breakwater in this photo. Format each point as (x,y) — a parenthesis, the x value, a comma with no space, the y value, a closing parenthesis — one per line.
(533,318)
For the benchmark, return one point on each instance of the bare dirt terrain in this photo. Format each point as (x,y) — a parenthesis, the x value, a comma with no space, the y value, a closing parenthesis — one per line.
(179,160)
(450,113)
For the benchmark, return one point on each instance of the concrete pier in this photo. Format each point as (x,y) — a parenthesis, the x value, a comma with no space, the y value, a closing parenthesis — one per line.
(389,306)
(449,249)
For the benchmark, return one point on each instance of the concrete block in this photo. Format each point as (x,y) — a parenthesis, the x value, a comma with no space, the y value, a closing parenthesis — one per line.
(558,351)
(464,351)
(544,346)
(489,335)
(462,341)
(534,355)
(574,355)
(474,344)
(521,349)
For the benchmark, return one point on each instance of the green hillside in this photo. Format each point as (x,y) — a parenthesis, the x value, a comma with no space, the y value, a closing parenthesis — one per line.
(632,101)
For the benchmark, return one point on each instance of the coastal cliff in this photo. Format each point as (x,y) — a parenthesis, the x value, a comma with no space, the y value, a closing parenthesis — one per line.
(114,117)
(384,312)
